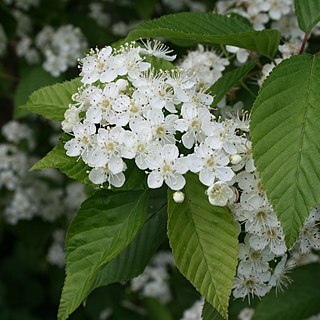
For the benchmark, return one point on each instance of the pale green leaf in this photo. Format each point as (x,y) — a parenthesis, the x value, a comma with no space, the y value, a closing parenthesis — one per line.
(308,13)
(204,241)
(132,260)
(52,101)
(299,301)
(228,81)
(286,145)
(209,28)
(209,312)
(104,226)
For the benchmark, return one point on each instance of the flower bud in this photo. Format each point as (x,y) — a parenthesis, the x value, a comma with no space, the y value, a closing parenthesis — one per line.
(235,159)
(178,197)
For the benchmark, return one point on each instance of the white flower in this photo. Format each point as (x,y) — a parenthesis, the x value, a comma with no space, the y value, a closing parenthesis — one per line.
(102,175)
(81,143)
(157,49)
(246,314)
(273,238)
(206,65)
(219,194)
(167,167)
(309,237)
(253,260)
(279,278)
(241,54)
(107,150)
(211,165)
(191,124)
(251,284)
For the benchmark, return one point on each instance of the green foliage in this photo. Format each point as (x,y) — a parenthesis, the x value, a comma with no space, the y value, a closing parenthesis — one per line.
(209,28)
(32,79)
(156,310)
(299,301)
(220,88)
(210,313)
(284,129)
(103,227)
(204,243)
(132,260)
(72,167)
(52,101)
(308,13)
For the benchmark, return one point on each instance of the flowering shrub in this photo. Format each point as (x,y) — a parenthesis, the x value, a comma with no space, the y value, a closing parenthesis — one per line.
(208,140)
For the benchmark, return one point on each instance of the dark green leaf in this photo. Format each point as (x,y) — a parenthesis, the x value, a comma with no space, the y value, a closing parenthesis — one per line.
(299,301)
(210,313)
(209,28)
(228,81)
(132,260)
(308,13)
(204,241)
(286,148)
(104,226)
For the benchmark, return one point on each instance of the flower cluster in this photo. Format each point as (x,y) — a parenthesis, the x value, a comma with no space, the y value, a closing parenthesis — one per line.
(61,48)
(25,195)
(128,110)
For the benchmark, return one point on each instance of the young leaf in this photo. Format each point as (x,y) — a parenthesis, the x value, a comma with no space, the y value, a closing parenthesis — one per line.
(209,312)
(209,28)
(52,101)
(299,301)
(228,81)
(103,227)
(204,241)
(308,13)
(285,135)
(132,260)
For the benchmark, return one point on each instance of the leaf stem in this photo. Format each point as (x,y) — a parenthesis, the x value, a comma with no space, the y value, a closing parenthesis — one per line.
(304,42)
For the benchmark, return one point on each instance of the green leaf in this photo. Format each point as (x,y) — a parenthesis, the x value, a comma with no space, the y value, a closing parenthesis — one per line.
(70,166)
(286,148)
(209,28)
(52,101)
(204,241)
(132,260)
(32,79)
(308,13)
(159,63)
(210,313)
(156,310)
(103,227)
(228,81)
(299,301)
